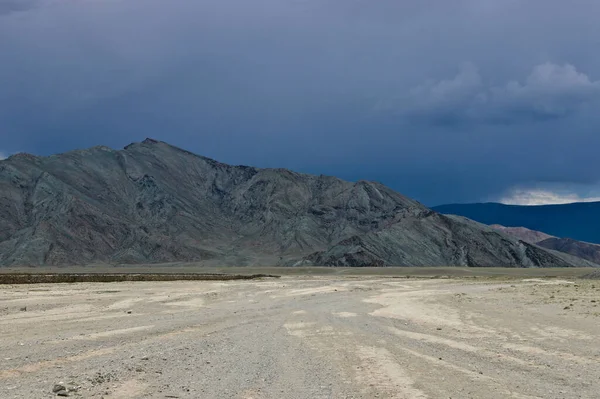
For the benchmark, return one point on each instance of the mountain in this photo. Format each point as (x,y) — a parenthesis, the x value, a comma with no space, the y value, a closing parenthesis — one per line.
(522,233)
(578,221)
(581,249)
(152,202)
(569,246)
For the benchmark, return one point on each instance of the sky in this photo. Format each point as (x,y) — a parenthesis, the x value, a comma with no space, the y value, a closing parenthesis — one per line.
(444,101)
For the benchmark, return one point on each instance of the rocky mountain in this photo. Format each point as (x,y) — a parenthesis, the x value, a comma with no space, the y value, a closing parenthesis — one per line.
(152,202)
(578,221)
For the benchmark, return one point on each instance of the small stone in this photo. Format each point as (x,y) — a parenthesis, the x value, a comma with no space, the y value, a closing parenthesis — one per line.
(145,358)
(129,312)
(439,328)
(58,388)
(23,309)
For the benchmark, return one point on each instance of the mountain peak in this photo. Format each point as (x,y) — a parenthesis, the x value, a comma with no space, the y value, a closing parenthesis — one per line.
(147,141)
(22,155)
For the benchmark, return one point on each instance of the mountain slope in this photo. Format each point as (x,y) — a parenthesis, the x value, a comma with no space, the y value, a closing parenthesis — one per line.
(152,202)
(578,221)
(569,246)
(432,239)
(580,249)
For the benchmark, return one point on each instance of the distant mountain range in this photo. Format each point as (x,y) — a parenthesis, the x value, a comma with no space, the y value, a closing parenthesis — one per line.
(578,221)
(152,202)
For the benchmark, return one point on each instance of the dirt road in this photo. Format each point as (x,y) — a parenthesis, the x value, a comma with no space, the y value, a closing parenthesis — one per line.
(303,337)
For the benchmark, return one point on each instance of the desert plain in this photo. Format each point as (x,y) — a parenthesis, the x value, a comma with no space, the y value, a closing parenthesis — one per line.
(335,334)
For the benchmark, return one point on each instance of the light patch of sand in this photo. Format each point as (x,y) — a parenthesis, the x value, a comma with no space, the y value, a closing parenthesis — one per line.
(316,290)
(125,304)
(112,333)
(379,369)
(298,329)
(546,282)
(345,314)
(189,303)
(58,313)
(415,306)
(560,334)
(128,389)
(432,339)
(527,349)
(435,340)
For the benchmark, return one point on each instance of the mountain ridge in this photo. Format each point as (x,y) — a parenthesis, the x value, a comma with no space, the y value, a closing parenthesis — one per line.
(153,202)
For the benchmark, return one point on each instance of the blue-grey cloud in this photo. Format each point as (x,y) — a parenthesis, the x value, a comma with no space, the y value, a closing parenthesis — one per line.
(347,87)
(550,91)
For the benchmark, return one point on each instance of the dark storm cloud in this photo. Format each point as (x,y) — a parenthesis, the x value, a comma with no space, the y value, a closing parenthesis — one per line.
(442,100)
(8,6)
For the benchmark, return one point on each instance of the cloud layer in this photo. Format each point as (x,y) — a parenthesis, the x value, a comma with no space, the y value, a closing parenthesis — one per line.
(550,91)
(444,101)
(544,197)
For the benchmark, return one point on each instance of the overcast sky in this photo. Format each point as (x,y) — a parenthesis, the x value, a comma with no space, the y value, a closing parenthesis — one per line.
(444,101)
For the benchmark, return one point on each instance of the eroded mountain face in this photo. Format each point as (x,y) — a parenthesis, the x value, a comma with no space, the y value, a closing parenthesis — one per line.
(152,202)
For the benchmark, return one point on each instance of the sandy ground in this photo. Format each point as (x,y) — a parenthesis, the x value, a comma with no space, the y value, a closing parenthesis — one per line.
(303,337)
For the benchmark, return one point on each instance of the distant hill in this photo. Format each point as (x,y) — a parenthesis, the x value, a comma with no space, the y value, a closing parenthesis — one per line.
(579,221)
(580,249)
(152,202)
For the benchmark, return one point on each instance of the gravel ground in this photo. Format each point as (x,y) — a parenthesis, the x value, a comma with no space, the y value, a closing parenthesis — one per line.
(303,337)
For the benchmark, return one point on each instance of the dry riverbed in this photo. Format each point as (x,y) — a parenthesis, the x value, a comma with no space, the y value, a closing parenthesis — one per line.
(303,337)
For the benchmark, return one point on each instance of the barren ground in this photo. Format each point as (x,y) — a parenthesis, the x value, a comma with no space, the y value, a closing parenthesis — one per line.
(303,337)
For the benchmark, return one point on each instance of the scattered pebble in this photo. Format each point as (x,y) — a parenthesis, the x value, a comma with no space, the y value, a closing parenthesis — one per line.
(59,387)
